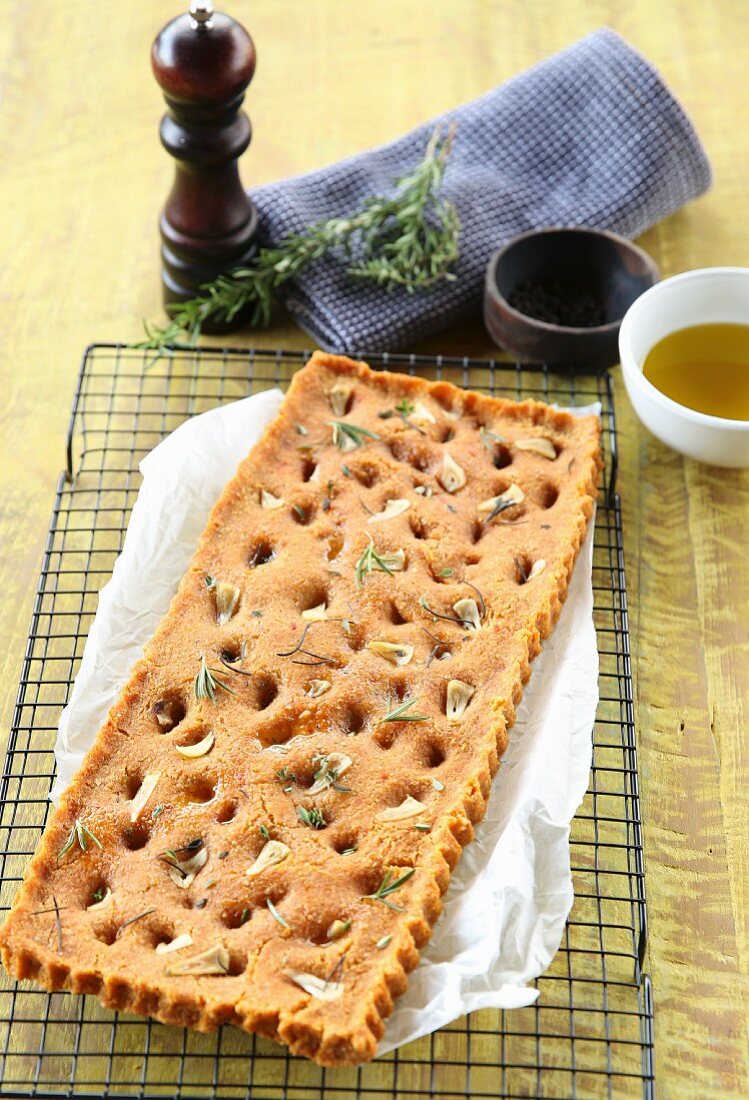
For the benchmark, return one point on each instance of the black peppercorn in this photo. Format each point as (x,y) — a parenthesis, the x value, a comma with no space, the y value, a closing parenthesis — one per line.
(559,303)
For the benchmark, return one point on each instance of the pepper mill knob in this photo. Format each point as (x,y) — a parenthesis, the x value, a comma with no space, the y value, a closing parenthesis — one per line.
(203,62)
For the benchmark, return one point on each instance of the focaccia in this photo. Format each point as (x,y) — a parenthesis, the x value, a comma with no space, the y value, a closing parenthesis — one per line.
(264,827)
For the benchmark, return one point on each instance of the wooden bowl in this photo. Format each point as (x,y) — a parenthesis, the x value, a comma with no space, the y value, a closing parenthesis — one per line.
(562,271)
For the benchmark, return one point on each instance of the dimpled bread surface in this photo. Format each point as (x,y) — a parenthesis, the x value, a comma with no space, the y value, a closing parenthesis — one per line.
(258,936)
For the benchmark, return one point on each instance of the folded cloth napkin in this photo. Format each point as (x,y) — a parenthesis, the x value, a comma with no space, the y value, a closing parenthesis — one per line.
(591,136)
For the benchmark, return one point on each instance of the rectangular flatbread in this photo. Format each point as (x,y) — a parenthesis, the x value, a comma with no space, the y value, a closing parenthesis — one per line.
(264,827)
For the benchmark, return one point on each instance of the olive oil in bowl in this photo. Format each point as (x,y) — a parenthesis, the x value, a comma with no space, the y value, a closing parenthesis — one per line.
(705,368)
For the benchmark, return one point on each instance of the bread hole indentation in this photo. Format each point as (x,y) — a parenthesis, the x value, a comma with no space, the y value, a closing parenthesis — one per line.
(308,468)
(367,880)
(136,835)
(549,495)
(501,456)
(237,963)
(277,731)
(106,932)
(303,513)
(445,432)
(398,690)
(318,930)
(522,567)
(227,811)
(200,789)
(335,545)
(419,527)
(366,474)
(133,784)
(396,616)
(235,915)
(95,892)
(345,842)
(162,932)
(266,690)
(355,637)
(354,719)
(169,711)
(407,449)
(384,736)
(191,737)
(233,652)
(478,529)
(313,594)
(260,553)
(435,754)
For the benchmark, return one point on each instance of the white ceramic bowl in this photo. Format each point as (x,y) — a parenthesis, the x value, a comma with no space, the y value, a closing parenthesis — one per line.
(698,297)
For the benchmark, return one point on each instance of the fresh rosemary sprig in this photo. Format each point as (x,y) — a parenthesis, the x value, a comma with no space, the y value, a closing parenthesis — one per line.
(400,715)
(388,887)
(349,436)
(409,239)
(370,560)
(79,834)
(206,683)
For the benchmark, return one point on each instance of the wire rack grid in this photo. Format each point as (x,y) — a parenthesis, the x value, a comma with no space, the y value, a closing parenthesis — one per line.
(590,1034)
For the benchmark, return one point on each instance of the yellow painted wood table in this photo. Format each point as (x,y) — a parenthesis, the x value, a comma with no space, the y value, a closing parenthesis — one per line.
(83,179)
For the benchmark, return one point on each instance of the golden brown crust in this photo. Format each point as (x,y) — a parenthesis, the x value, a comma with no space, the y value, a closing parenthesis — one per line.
(313,541)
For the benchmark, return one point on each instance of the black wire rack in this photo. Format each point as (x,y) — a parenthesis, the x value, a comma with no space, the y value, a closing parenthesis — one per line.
(590,1034)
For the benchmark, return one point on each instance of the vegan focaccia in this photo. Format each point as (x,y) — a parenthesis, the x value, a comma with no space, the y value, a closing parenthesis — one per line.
(264,827)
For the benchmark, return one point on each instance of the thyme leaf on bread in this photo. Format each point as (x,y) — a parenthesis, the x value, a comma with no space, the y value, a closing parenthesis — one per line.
(313,817)
(408,239)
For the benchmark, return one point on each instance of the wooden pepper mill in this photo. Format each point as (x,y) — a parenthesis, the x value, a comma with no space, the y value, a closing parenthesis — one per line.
(203,62)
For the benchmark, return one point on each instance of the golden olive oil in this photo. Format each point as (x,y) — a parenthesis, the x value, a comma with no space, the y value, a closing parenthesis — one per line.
(705,367)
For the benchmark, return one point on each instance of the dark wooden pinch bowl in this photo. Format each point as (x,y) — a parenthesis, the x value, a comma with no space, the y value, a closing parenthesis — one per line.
(590,266)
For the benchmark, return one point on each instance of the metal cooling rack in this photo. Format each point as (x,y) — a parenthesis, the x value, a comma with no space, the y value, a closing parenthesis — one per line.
(590,1033)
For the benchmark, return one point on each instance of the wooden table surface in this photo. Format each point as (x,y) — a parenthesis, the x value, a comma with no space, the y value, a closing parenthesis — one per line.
(82,182)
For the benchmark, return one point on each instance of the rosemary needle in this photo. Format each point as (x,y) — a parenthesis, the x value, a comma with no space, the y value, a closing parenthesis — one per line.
(58,925)
(400,715)
(388,887)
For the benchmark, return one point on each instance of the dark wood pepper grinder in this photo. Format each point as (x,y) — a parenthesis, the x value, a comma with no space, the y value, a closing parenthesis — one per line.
(203,62)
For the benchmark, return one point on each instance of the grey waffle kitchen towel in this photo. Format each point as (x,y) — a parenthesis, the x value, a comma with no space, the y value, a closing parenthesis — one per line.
(591,136)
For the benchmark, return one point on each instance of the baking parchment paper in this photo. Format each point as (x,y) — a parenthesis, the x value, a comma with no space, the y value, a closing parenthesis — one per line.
(511,893)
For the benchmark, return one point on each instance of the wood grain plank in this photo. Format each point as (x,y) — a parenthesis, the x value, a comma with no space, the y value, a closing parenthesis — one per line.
(83,179)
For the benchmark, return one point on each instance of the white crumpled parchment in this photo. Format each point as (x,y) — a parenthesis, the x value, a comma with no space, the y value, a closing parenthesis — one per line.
(511,893)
